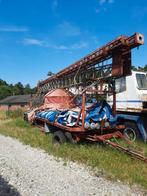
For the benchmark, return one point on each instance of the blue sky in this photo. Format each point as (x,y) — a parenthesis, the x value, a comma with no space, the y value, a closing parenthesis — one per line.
(37,36)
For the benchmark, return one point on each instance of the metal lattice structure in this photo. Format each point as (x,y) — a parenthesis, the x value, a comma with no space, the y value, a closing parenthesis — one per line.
(94,65)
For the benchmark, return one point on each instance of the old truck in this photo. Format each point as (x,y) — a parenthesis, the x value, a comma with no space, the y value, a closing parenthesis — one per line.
(131,102)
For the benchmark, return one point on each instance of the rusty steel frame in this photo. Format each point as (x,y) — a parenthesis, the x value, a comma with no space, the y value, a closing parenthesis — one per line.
(106,140)
(82,111)
(118,47)
(80,133)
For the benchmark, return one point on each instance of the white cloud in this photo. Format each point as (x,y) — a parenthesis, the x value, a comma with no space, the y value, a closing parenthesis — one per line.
(30,41)
(13,29)
(103,7)
(45,44)
(74,46)
(79,45)
(67,29)
(58,47)
(54,5)
(110,1)
(61,47)
(101,2)
(138,13)
(97,10)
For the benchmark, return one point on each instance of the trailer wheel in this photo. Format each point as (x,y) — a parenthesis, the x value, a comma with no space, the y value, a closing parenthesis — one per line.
(70,138)
(131,131)
(59,137)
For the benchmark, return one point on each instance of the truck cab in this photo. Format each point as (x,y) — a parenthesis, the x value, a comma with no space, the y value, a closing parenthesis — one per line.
(131,93)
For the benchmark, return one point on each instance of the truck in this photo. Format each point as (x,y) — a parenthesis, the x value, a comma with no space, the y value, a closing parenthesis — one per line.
(94,120)
(131,102)
(112,62)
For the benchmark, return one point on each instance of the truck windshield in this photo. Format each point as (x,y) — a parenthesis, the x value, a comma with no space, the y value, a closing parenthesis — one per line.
(141,81)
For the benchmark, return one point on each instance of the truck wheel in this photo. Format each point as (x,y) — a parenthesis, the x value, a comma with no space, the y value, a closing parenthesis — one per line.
(59,137)
(70,138)
(131,131)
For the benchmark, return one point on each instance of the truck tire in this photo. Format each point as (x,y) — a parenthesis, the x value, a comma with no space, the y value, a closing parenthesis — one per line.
(131,131)
(70,138)
(59,137)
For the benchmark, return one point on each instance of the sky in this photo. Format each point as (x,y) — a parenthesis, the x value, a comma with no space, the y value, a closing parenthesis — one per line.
(37,36)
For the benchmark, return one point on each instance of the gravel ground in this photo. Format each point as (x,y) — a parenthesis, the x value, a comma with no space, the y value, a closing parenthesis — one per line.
(31,172)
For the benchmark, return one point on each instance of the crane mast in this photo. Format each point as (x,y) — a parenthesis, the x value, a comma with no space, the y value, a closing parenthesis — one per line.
(95,65)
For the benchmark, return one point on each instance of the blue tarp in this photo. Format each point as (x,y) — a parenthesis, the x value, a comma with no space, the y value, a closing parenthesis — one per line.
(96,114)
(100,112)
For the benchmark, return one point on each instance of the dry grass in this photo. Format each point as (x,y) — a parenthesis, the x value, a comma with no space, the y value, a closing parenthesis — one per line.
(104,160)
(3,115)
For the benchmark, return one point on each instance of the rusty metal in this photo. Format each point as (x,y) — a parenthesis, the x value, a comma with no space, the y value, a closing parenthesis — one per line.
(106,139)
(83,110)
(79,115)
(129,151)
(63,127)
(119,50)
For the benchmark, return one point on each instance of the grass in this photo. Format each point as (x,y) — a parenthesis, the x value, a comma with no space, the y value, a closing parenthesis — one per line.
(105,161)
(3,115)
(14,113)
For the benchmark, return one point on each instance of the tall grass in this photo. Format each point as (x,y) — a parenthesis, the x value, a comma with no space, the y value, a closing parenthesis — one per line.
(14,113)
(105,161)
(3,115)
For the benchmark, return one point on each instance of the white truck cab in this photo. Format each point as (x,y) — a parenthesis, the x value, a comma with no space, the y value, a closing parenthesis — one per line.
(131,92)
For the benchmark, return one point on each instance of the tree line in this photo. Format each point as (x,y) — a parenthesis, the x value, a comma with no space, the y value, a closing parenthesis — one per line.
(140,68)
(16,89)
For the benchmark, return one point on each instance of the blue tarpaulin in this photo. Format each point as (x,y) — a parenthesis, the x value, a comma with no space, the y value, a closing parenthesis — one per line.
(99,112)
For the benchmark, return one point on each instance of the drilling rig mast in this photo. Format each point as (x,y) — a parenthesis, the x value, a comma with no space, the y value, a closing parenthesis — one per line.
(94,65)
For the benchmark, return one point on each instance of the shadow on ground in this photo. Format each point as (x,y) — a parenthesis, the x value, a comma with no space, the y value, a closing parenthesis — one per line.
(6,189)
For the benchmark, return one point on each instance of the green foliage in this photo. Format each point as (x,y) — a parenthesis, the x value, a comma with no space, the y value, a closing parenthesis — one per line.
(145,68)
(16,89)
(27,89)
(134,68)
(5,91)
(139,68)
(2,82)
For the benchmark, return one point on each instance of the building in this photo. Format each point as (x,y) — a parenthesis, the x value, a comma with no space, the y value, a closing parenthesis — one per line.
(15,102)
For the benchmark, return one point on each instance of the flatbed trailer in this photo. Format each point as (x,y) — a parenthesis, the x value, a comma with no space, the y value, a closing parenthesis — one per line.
(62,133)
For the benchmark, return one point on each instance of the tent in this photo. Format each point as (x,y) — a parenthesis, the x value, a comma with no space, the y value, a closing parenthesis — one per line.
(58,99)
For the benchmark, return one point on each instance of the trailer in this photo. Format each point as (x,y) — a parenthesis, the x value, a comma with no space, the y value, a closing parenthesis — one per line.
(109,127)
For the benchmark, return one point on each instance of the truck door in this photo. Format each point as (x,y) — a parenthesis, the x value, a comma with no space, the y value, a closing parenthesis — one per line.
(121,93)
